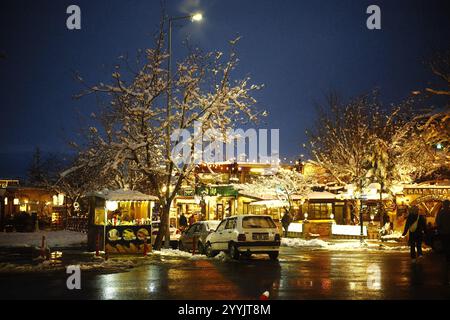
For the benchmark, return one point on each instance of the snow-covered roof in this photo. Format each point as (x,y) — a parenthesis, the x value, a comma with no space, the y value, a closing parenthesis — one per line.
(320,195)
(270,203)
(123,195)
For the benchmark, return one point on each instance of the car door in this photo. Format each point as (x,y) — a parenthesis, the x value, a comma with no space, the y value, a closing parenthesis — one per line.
(217,237)
(229,234)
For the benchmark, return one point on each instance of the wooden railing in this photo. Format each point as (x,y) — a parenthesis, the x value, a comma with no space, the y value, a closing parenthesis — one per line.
(79,224)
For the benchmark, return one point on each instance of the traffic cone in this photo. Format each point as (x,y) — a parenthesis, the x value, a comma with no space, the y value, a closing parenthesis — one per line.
(145,247)
(264,296)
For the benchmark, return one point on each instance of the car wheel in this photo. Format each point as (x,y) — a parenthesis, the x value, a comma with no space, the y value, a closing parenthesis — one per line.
(200,248)
(209,251)
(234,253)
(273,255)
(180,246)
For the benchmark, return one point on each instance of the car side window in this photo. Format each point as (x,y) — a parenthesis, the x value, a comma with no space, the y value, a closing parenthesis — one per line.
(231,224)
(221,225)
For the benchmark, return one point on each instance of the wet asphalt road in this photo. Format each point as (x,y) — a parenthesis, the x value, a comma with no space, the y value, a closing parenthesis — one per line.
(299,274)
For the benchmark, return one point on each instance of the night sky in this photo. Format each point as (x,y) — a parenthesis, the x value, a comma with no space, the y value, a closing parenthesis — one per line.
(300,50)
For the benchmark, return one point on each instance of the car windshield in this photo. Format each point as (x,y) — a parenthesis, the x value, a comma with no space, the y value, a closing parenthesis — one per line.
(212,225)
(257,222)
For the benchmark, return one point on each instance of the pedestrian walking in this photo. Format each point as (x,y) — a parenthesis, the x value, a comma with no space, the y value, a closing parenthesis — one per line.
(415,226)
(443,225)
(285,222)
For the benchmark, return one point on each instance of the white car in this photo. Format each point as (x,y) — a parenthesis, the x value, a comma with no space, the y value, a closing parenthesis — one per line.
(174,234)
(245,234)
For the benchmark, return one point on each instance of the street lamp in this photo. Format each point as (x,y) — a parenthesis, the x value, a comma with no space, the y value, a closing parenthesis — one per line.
(196,17)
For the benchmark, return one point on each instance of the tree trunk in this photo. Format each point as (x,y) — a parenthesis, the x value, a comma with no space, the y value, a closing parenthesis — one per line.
(163,228)
(381,206)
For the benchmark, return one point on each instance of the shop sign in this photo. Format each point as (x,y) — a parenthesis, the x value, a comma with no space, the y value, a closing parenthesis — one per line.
(224,191)
(426,191)
(187,192)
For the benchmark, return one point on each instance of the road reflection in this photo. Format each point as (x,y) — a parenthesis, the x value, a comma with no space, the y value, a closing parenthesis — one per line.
(298,275)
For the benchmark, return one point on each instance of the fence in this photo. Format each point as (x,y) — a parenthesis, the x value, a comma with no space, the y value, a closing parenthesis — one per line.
(79,224)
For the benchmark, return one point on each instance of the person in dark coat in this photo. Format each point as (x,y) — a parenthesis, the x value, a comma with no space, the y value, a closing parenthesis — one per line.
(183,221)
(443,225)
(285,222)
(416,226)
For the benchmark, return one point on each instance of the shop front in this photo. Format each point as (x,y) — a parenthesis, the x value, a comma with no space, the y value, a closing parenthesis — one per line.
(217,201)
(120,221)
(24,209)
(428,197)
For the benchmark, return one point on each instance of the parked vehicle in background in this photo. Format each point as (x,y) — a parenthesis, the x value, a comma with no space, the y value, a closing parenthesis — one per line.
(174,234)
(196,234)
(245,234)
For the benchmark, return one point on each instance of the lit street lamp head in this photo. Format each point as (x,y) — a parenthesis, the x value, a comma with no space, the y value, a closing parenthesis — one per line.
(197,17)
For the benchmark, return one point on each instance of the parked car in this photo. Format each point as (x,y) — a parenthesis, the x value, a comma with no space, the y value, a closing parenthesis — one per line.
(174,234)
(245,234)
(199,230)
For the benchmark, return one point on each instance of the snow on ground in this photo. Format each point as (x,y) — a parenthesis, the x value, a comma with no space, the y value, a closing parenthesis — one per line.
(52,265)
(63,238)
(397,236)
(342,245)
(177,253)
(302,243)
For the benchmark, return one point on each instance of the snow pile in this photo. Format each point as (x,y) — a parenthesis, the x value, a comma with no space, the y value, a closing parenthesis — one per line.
(63,238)
(397,236)
(222,256)
(300,243)
(347,245)
(177,254)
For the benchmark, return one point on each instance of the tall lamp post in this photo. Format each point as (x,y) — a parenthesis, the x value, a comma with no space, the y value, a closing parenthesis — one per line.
(197,17)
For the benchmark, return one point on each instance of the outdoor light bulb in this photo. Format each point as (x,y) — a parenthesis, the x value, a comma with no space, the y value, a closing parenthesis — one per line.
(112,205)
(306,215)
(197,17)
(439,146)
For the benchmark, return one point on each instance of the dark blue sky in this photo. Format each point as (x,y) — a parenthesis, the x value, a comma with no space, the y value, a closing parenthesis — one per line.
(298,49)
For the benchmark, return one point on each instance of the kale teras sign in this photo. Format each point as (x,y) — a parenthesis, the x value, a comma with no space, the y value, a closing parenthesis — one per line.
(427,190)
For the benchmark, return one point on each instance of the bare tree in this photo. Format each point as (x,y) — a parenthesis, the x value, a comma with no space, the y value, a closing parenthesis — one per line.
(341,138)
(283,185)
(141,128)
